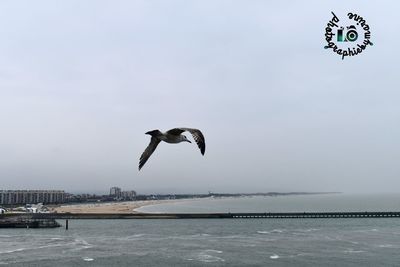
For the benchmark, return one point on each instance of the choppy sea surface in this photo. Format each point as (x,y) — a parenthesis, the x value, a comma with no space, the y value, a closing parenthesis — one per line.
(219,242)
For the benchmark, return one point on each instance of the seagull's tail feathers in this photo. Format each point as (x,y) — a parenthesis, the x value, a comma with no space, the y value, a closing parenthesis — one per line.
(154,133)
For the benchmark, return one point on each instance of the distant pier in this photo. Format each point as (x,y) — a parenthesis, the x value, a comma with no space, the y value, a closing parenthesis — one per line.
(46,220)
(265,215)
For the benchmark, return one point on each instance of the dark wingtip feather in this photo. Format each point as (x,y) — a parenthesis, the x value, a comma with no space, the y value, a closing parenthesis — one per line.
(153,132)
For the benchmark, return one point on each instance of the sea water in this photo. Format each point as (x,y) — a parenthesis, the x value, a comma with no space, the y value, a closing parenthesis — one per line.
(218,242)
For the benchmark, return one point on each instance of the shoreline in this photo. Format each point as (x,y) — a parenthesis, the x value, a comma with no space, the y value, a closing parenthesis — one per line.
(111,207)
(128,206)
(121,207)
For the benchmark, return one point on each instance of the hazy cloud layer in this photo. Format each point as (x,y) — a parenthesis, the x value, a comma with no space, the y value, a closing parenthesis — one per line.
(81,81)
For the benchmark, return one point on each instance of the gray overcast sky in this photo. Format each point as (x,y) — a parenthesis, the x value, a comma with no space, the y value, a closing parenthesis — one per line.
(82,81)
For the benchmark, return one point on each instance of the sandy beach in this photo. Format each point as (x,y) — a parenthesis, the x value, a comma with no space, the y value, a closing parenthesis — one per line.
(111,207)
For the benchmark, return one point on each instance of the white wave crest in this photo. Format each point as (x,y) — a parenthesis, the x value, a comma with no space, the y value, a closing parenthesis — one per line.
(274,257)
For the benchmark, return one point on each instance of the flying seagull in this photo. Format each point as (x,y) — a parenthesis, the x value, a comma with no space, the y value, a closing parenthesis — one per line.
(172,136)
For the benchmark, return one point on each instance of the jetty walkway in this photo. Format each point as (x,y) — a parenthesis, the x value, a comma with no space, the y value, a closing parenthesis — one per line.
(48,220)
(266,215)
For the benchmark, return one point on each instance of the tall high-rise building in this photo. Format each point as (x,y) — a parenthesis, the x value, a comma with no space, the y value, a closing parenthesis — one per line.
(115,191)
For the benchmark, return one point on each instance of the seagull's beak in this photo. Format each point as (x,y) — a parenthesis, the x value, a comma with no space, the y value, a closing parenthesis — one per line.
(188,141)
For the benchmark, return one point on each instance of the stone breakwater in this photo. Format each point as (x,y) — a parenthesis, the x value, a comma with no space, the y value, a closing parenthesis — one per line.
(266,215)
(26,221)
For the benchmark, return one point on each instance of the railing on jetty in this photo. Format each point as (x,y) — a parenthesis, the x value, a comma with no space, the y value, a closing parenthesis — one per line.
(266,215)
(315,215)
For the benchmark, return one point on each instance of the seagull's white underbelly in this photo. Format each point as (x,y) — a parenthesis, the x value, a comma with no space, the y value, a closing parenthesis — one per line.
(171,139)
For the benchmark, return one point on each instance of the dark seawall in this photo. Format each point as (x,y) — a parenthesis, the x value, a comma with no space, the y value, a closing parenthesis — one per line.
(275,215)
(26,221)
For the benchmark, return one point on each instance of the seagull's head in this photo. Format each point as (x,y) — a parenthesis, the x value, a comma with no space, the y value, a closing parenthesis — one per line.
(184,139)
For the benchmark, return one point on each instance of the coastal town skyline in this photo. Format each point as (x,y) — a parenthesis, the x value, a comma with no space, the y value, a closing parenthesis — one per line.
(116,194)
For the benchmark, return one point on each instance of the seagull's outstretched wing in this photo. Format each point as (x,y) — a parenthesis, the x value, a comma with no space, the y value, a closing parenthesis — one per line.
(176,131)
(197,136)
(148,151)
